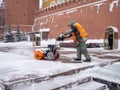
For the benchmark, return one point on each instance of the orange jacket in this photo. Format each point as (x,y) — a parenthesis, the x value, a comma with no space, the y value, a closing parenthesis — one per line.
(82,31)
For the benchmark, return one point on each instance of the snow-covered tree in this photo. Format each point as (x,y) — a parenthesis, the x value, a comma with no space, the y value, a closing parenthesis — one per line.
(8,36)
(23,36)
(18,34)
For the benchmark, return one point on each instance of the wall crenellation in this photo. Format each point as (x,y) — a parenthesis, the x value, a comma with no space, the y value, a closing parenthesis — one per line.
(63,6)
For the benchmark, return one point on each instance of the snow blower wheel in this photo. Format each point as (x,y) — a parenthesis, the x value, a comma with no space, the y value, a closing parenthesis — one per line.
(50,56)
(38,55)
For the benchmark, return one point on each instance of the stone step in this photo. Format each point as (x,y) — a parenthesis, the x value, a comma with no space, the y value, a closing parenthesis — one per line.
(60,83)
(55,84)
(34,79)
(92,85)
(110,73)
(72,83)
(31,79)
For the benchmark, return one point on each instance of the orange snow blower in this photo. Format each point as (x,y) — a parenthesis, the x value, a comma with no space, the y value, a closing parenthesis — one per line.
(51,53)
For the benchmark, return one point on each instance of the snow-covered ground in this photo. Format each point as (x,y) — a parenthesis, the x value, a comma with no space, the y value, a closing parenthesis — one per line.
(17,61)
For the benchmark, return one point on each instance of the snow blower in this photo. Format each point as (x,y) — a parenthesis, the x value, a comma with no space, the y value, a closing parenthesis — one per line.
(51,53)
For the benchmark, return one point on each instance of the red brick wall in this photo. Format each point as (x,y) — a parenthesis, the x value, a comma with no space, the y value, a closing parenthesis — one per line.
(20,12)
(93,15)
(23,28)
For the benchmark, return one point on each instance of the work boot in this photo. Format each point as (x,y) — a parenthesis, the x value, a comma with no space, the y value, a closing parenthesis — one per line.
(87,60)
(77,59)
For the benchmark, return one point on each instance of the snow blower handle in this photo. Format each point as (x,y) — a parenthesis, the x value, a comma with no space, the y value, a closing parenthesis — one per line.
(60,37)
(66,34)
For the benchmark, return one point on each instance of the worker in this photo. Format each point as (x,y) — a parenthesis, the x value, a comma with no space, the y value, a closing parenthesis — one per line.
(110,40)
(79,35)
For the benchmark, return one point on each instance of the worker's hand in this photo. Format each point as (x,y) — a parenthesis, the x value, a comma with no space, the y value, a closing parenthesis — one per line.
(60,37)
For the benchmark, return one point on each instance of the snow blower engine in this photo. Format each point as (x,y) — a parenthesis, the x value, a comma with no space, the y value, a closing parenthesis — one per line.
(51,53)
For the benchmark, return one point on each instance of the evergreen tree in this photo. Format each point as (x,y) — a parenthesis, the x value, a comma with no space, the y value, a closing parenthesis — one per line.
(18,34)
(23,37)
(8,36)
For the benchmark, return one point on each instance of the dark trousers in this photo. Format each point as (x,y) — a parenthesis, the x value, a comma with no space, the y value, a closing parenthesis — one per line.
(110,44)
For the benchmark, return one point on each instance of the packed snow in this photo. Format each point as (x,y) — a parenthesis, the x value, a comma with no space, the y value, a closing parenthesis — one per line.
(16,60)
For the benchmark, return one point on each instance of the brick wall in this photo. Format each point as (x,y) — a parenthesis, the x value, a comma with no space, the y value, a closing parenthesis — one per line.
(23,28)
(93,15)
(20,12)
